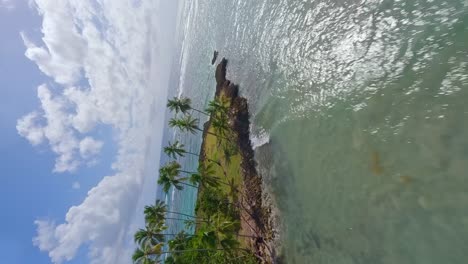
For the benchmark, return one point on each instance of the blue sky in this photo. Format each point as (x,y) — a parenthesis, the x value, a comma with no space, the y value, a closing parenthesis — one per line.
(84,86)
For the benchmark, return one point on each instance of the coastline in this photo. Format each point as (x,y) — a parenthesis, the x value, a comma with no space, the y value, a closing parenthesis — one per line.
(259,217)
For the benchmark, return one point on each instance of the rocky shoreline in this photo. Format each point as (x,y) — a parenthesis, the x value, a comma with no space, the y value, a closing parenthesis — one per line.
(258,221)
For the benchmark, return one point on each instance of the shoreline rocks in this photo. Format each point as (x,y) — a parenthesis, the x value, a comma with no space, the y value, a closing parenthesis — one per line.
(258,221)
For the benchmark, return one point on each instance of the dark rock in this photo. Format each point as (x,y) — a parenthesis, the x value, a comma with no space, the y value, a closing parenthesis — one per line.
(220,73)
(215,56)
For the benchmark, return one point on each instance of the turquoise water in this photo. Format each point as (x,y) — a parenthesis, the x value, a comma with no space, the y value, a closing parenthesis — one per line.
(365,104)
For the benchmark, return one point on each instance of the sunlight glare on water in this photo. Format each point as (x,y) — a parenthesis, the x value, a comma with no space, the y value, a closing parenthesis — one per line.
(365,105)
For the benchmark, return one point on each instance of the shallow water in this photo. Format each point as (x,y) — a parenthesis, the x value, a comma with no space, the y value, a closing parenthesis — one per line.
(366,106)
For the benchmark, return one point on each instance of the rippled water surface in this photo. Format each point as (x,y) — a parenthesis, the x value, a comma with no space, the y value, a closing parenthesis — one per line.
(366,105)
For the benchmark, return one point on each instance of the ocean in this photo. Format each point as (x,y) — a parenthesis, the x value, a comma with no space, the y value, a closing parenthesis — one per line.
(359,115)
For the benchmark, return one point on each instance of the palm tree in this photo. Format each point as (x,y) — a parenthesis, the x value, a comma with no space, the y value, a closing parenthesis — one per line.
(229,149)
(183,219)
(200,250)
(220,125)
(149,235)
(159,210)
(219,111)
(180,241)
(220,231)
(177,149)
(216,107)
(233,191)
(223,230)
(186,123)
(145,236)
(183,242)
(171,167)
(171,170)
(143,256)
(154,213)
(205,176)
(201,179)
(182,105)
(189,124)
(168,177)
(174,167)
(167,181)
(147,254)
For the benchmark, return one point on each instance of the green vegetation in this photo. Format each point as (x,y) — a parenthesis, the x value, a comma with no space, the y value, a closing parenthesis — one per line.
(218,234)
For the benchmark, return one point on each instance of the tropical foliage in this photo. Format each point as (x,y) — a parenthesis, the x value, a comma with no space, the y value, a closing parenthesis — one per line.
(176,149)
(189,124)
(214,242)
(169,177)
(182,105)
(213,234)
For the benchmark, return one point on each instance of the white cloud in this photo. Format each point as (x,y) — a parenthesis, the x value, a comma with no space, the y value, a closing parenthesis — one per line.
(62,55)
(100,55)
(53,123)
(57,130)
(7,4)
(76,186)
(97,220)
(45,239)
(28,128)
(90,147)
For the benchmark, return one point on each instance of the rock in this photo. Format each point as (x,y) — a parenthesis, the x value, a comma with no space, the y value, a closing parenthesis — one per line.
(220,73)
(215,56)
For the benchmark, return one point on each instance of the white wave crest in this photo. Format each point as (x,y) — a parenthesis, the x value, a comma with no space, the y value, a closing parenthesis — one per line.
(259,138)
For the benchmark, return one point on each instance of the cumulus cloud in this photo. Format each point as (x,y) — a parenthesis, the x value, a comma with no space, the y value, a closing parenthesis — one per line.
(45,238)
(101,58)
(97,220)
(64,48)
(61,138)
(90,147)
(28,128)
(54,124)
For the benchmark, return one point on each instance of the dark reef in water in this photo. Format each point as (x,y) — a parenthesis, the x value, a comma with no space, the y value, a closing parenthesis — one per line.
(215,56)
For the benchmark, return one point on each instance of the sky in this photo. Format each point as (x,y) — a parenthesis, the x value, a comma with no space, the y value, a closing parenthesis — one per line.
(84,87)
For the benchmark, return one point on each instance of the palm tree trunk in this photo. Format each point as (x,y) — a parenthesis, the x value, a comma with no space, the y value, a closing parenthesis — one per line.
(191,153)
(203,250)
(216,135)
(227,184)
(187,172)
(174,234)
(211,133)
(195,154)
(193,186)
(172,212)
(201,112)
(181,219)
(219,181)
(215,162)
